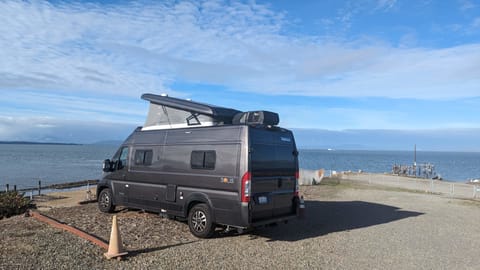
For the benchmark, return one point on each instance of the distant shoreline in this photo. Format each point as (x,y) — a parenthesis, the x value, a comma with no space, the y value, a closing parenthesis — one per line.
(37,143)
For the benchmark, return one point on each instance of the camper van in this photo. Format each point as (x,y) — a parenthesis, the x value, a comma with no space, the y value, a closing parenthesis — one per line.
(213,166)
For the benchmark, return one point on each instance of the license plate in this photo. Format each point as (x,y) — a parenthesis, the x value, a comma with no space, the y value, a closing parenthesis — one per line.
(262,200)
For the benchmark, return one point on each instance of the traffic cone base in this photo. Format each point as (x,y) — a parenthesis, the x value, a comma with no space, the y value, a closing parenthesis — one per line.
(115,247)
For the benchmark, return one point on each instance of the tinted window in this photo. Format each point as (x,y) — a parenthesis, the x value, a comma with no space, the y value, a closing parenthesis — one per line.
(143,157)
(270,160)
(121,158)
(203,160)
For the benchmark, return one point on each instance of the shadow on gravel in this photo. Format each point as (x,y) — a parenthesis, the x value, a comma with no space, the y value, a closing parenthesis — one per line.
(328,217)
(148,250)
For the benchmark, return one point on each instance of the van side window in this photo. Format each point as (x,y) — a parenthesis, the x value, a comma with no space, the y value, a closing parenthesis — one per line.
(203,160)
(143,157)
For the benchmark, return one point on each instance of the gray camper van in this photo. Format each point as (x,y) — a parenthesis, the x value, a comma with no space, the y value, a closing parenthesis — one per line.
(214,166)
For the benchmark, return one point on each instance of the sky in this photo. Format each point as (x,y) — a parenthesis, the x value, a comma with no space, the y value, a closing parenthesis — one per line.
(74,71)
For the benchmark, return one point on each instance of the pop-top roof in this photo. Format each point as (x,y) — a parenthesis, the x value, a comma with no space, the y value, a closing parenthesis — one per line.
(216,112)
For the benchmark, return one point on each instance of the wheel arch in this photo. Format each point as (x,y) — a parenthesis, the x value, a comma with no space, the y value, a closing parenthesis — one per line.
(197,198)
(103,186)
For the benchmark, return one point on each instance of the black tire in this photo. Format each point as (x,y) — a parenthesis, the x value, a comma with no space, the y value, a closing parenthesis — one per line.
(200,221)
(105,201)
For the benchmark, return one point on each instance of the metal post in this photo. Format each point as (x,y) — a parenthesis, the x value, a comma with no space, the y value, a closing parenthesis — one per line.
(39,186)
(88,191)
(415,160)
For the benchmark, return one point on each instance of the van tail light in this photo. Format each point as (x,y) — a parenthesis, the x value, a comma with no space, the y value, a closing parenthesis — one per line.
(297,186)
(246,187)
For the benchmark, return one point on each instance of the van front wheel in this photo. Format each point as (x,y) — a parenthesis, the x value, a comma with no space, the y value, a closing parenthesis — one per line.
(200,221)
(105,201)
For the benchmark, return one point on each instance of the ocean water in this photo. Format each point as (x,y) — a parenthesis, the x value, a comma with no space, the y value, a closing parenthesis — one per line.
(452,166)
(24,165)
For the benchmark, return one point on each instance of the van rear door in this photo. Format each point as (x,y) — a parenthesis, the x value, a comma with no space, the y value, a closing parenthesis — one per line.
(273,166)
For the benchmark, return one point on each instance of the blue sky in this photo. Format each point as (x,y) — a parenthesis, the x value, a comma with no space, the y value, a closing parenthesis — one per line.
(74,71)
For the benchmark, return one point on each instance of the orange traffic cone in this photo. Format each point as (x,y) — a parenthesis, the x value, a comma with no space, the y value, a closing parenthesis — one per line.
(115,247)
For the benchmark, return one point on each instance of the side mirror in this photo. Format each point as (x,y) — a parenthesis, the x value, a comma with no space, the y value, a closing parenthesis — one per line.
(107,165)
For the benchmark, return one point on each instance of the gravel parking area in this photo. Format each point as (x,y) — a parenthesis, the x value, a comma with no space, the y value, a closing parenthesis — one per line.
(348,226)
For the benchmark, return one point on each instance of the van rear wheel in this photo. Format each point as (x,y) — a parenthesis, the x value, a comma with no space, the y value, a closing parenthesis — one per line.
(200,221)
(105,201)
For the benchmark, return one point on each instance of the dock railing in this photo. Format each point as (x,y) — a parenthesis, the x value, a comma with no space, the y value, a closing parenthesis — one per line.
(43,186)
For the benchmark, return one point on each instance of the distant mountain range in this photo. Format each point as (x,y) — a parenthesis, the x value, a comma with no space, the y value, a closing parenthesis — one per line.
(40,143)
(426,140)
(108,142)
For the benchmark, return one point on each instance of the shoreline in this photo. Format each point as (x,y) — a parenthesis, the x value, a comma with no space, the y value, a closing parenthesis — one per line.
(457,190)
(65,198)
(52,187)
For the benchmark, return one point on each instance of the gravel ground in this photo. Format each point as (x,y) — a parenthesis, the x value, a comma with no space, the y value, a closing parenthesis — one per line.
(348,226)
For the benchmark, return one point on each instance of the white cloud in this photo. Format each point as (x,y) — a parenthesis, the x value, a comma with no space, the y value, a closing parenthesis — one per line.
(466,5)
(70,107)
(385,4)
(135,48)
(476,23)
(46,129)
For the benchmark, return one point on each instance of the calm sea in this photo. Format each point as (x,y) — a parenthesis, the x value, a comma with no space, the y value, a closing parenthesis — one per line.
(24,165)
(453,166)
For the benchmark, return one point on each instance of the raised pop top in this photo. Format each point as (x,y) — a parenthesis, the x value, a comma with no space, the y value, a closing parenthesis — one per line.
(166,112)
(216,112)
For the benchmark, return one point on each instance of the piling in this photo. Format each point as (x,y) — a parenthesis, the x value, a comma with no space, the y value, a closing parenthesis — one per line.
(39,186)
